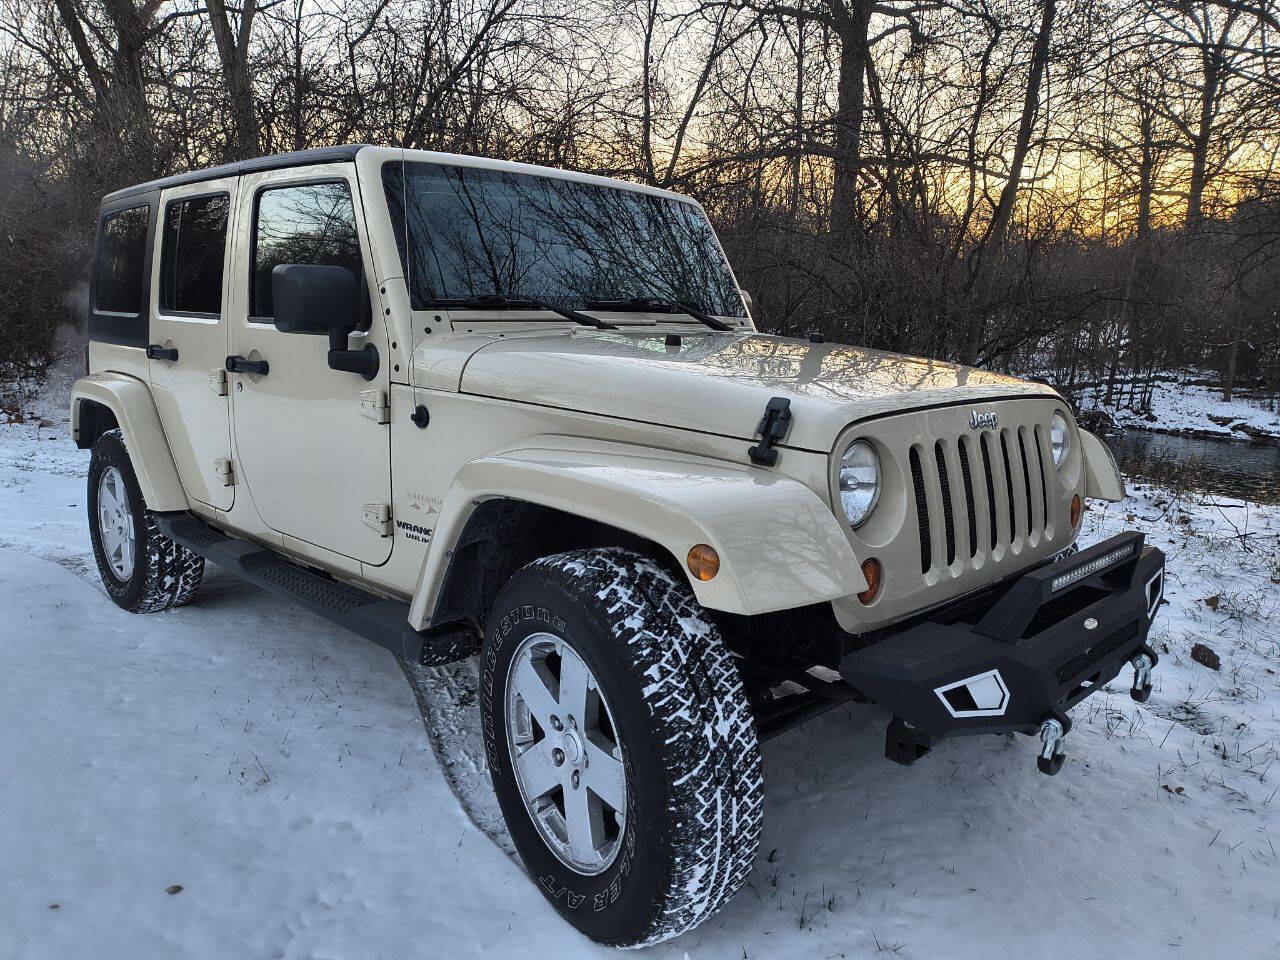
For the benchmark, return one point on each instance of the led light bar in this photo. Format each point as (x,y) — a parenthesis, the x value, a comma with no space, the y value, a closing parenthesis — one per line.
(1092,567)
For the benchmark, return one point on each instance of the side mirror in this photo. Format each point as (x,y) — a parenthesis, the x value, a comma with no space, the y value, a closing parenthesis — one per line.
(746,298)
(317,298)
(313,298)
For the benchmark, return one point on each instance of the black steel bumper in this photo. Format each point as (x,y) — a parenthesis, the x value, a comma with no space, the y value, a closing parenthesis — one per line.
(1056,635)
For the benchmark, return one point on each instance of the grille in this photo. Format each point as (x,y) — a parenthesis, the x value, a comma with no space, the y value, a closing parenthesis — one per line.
(979,491)
(1084,660)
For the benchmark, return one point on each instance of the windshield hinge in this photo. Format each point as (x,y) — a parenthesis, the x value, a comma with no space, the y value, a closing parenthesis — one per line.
(373,404)
(773,427)
(377,517)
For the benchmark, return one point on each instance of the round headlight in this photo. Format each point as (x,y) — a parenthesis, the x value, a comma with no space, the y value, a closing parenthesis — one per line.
(859,481)
(1059,438)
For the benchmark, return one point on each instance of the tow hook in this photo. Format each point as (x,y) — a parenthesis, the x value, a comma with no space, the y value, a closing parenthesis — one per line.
(1053,747)
(1142,664)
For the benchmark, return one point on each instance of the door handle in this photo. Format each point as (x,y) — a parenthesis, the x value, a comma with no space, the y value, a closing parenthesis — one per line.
(238,364)
(157,352)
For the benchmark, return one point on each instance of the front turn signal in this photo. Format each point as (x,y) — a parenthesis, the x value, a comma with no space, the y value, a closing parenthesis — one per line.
(874,575)
(704,562)
(1076,509)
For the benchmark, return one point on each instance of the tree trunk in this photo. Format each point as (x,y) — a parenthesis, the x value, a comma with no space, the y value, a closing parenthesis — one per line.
(233,50)
(1204,135)
(989,256)
(852,19)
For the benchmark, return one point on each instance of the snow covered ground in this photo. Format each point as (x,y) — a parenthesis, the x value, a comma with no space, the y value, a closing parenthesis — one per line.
(1179,406)
(278,771)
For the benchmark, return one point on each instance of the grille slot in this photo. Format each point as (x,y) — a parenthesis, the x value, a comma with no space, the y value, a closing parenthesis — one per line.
(985,443)
(1008,481)
(1044,492)
(1026,481)
(947,516)
(922,512)
(968,496)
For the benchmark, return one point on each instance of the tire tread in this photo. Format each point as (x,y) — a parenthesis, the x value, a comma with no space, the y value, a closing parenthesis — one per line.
(700,711)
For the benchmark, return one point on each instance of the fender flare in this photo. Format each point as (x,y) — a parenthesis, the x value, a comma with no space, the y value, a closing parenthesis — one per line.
(1102,479)
(780,545)
(130,402)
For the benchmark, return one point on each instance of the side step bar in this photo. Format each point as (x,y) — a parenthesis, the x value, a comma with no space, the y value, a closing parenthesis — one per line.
(385,622)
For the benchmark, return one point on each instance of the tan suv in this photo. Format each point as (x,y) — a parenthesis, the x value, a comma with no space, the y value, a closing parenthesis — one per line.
(463,407)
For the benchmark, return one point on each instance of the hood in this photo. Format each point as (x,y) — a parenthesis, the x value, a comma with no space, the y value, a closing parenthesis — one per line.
(720,383)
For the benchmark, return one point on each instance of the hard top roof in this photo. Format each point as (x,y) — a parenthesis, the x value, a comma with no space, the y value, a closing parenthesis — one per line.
(277,161)
(347,153)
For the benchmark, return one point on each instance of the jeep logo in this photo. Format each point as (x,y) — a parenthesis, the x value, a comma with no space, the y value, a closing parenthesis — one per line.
(983,421)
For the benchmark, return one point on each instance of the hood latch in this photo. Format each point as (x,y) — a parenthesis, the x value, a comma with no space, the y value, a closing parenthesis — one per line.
(772,429)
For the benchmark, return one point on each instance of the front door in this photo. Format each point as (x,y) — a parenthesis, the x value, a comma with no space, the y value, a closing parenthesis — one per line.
(188,338)
(310,456)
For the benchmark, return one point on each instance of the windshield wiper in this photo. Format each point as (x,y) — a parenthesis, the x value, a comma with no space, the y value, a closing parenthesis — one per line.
(495,301)
(642,304)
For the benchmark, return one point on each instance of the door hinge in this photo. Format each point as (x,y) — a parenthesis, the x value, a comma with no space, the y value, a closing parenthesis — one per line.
(226,473)
(373,404)
(218,381)
(377,516)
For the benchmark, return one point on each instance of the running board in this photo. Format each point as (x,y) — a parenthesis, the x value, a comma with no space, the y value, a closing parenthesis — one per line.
(385,622)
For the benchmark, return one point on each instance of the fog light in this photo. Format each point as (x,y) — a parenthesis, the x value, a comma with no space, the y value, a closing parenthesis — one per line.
(704,562)
(871,570)
(1075,511)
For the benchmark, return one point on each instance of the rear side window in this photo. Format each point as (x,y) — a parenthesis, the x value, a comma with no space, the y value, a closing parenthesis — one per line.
(309,223)
(191,257)
(121,267)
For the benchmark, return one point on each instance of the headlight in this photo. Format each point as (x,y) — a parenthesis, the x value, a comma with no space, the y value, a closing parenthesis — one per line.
(859,482)
(1059,438)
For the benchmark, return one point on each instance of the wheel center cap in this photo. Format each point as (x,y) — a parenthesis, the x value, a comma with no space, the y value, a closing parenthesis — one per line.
(572,746)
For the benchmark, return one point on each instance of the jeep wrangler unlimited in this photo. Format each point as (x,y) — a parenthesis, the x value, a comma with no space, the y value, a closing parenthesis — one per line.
(465,407)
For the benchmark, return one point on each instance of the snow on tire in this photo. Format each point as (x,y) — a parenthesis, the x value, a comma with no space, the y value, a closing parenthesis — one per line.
(676,707)
(142,569)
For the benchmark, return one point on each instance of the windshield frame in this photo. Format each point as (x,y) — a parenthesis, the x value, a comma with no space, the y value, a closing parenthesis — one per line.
(726,295)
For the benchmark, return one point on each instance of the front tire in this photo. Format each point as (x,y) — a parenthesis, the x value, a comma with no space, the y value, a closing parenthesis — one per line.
(142,569)
(614,714)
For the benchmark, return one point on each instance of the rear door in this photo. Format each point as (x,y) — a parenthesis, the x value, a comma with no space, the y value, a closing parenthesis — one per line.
(312,448)
(188,340)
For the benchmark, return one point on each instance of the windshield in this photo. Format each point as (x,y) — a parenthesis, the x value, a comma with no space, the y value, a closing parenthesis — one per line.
(465,232)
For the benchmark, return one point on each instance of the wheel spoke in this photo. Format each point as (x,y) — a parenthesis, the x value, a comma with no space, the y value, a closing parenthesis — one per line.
(533,691)
(574,681)
(538,773)
(583,824)
(605,776)
(126,555)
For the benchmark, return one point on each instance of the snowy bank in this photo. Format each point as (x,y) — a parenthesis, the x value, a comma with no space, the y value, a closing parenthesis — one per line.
(278,771)
(1180,405)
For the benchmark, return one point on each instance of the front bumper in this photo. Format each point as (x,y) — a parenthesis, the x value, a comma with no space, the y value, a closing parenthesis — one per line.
(1057,634)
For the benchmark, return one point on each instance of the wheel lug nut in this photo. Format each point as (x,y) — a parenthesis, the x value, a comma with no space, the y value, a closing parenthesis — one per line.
(555,723)
(576,779)
(558,756)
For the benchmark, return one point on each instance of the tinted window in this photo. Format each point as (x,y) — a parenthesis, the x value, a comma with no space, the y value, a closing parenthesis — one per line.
(195,238)
(315,223)
(121,266)
(467,232)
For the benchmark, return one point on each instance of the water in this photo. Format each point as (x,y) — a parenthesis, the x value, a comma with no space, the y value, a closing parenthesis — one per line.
(1233,468)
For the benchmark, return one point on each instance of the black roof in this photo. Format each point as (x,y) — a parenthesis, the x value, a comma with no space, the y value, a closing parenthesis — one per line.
(277,161)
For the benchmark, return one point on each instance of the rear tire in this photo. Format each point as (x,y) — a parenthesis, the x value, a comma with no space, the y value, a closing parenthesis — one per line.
(666,697)
(142,569)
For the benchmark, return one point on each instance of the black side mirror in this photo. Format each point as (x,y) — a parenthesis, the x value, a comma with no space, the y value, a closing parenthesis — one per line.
(313,298)
(317,298)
